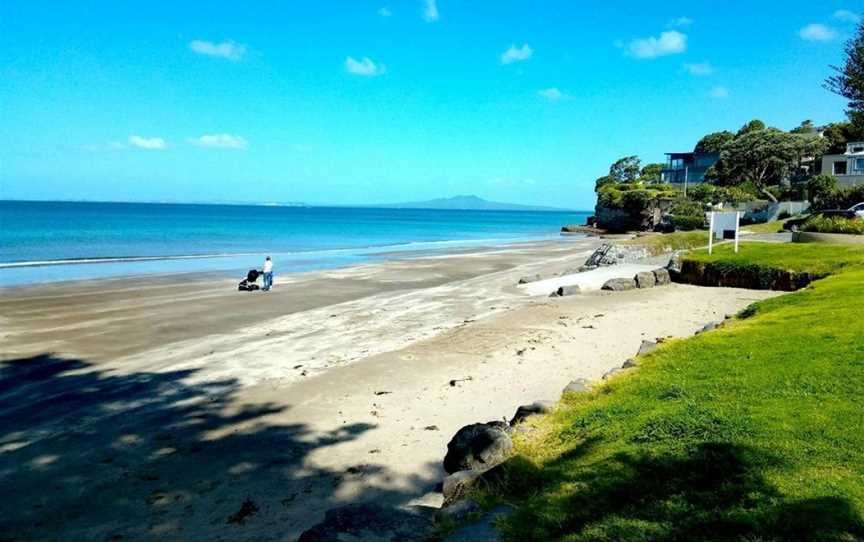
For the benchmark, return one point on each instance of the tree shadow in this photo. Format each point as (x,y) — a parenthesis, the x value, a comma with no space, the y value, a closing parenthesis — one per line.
(87,453)
(713,491)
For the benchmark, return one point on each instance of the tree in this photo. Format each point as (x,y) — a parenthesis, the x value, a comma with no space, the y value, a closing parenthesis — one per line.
(837,134)
(626,170)
(754,125)
(763,157)
(651,173)
(806,127)
(848,81)
(714,142)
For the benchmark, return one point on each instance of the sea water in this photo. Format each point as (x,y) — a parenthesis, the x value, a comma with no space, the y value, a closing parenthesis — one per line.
(52,241)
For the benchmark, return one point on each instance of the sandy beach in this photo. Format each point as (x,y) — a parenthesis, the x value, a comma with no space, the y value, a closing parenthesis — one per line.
(178,407)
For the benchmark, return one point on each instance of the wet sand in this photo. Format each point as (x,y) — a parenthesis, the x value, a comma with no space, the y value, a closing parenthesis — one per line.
(181,408)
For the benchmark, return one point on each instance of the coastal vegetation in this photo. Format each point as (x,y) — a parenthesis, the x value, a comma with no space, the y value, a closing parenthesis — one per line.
(752,431)
(756,163)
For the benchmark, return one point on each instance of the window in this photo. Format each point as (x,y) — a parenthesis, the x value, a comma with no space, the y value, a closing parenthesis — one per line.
(856,150)
(859,164)
(840,167)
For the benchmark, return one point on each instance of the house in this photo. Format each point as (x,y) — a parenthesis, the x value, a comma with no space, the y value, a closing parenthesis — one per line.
(847,167)
(688,167)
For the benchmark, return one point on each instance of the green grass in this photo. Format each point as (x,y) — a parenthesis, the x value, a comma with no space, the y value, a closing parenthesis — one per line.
(751,432)
(773,226)
(812,258)
(667,242)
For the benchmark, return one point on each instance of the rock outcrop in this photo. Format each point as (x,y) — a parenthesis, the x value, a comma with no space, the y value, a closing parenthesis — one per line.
(610,254)
(661,277)
(564,291)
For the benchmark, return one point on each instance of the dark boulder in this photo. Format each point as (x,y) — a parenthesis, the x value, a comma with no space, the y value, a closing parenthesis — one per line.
(479,446)
(361,522)
(629,364)
(458,485)
(525,411)
(458,511)
(619,285)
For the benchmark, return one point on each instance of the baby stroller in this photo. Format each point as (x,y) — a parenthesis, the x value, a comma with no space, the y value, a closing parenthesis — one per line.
(249,283)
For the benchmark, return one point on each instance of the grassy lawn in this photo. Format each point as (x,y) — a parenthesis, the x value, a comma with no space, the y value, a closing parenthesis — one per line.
(667,242)
(766,227)
(751,432)
(803,257)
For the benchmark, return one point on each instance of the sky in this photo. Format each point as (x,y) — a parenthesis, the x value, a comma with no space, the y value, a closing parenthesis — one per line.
(357,102)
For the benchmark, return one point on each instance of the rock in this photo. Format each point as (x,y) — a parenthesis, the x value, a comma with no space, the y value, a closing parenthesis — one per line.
(580,385)
(646,347)
(479,446)
(564,291)
(527,279)
(619,285)
(483,530)
(609,254)
(662,277)
(361,522)
(710,326)
(629,364)
(644,279)
(525,411)
(458,511)
(458,485)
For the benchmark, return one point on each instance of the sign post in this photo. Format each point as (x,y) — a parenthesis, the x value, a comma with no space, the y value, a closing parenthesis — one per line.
(723,226)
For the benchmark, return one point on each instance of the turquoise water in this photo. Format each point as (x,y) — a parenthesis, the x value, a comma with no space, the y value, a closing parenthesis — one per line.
(52,241)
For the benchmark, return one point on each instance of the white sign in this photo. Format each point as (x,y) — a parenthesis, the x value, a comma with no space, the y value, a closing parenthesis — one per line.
(723,226)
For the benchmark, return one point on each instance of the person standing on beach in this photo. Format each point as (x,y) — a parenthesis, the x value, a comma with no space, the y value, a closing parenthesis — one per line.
(268,273)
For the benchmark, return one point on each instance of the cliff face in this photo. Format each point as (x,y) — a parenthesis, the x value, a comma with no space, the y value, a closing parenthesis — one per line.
(629,218)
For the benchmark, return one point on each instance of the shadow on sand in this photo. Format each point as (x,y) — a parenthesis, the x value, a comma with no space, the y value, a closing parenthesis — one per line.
(102,455)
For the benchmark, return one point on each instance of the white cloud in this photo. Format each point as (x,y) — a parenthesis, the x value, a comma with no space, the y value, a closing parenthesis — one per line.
(670,42)
(430,11)
(699,68)
(150,143)
(847,16)
(719,93)
(817,32)
(227,49)
(221,141)
(99,147)
(385,12)
(552,94)
(517,54)
(681,21)
(364,67)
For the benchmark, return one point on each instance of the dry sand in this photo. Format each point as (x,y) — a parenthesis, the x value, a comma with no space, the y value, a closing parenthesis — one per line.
(183,409)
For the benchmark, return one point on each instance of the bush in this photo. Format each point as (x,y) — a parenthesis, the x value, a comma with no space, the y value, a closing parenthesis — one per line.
(834,224)
(688,222)
(842,198)
(820,187)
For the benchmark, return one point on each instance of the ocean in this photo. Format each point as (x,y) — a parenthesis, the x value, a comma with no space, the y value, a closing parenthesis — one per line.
(55,241)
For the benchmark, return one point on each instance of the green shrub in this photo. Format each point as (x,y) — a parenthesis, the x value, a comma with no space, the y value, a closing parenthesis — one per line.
(820,187)
(688,222)
(834,224)
(842,198)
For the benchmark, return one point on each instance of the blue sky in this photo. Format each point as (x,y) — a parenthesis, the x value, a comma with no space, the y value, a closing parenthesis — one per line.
(384,101)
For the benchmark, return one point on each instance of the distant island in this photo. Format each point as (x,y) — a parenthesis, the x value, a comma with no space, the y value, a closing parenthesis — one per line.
(466,203)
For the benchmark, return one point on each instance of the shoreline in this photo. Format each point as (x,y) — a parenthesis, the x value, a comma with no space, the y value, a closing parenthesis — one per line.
(361,256)
(181,402)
